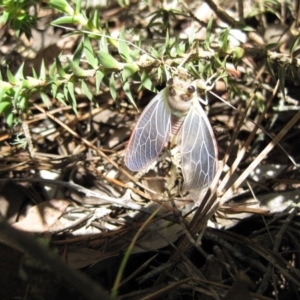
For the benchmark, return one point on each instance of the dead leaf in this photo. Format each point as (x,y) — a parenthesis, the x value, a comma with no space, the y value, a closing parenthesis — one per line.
(42,216)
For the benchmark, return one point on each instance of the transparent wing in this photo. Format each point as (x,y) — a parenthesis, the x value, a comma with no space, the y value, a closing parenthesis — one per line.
(198,151)
(150,134)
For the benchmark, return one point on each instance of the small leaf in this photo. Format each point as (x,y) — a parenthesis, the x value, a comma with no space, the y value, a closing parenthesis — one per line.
(61,98)
(60,68)
(243,27)
(237,55)
(147,83)
(20,73)
(43,71)
(3,91)
(23,103)
(76,69)
(86,90)
(123,47)
(99,77)
(9,117)
(294,44)
(128,70)
(192,34)
(223,40)
(207,42)
(45,99)
(103,44)
(71,90)
(54,88)
(89,53)
(272,46)
(78,6)
(62,6)
(93,21)
(11,77)
(108,61)
(126,88)
(16,96)
(52,70)
(5,106)
(78,53)
(167,41)
(63,20)
(270,68)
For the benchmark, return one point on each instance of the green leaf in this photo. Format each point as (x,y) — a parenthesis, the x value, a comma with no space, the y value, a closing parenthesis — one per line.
(207,42)
(78,53)
(237,55)
(60,68)
(79,72)
(270,68)
(78,6)
(11,77)
(89,53)
(72,99)
(244,27)
(5,106)
(167,40)
(93,21)
(123,46)
(5,16)
(6,109)
(272,46)
(294,44)
(128,70)
(99,77)
(17,95)
(64,20)
(54,88)
(126,88)
(9,117)
(23,103)
(86,90)
(147,83)
(192,34)
(108,61)
(223,39)
(52,70)
(62,6)
(3,91)
(159,74)
(45,99)
(103,44)
(20,73)
(61,98)
(43,71)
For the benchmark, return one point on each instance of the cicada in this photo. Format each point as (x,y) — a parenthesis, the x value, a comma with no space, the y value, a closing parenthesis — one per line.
(175,114)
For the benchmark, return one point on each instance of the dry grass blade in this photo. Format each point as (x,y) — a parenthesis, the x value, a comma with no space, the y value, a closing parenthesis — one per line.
(264,153)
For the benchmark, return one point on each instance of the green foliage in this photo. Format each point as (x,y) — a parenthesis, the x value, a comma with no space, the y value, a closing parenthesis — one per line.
(119,62)
(17,16)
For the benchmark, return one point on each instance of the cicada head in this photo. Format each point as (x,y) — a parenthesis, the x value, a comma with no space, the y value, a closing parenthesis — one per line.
(180,96)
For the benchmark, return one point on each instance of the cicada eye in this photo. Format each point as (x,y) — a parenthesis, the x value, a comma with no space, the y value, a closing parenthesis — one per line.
(191,89)
(170,81)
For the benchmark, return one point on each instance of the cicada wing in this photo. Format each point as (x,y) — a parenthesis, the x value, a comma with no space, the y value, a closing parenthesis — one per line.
(150,134)
(198,152)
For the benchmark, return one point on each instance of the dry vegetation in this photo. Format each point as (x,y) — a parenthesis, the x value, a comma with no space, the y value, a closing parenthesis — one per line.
(63,177)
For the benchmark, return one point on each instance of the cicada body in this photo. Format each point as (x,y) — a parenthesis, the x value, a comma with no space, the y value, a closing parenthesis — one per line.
(175,113)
